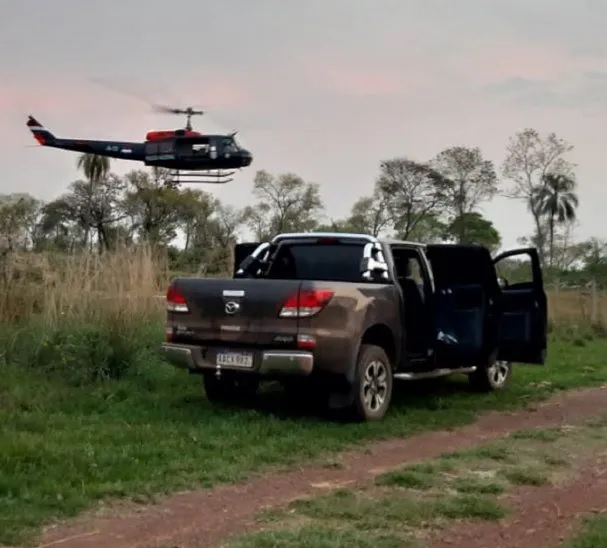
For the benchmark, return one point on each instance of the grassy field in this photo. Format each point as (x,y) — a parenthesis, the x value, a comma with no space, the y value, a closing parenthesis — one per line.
(405,507)
(65,446)
(89,411)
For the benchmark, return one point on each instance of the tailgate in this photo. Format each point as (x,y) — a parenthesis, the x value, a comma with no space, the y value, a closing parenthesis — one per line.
(239,311)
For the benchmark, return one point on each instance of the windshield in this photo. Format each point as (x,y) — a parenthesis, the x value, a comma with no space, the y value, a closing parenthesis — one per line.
(229,144)
(331,262)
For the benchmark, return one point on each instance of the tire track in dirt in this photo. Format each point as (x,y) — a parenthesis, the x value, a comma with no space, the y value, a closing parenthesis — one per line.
(542,516)
(206,518)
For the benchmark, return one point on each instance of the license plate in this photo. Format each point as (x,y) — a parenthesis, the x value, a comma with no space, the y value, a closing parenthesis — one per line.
(234,359)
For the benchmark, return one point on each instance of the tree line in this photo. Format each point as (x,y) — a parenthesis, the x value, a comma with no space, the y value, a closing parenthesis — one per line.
(430,201)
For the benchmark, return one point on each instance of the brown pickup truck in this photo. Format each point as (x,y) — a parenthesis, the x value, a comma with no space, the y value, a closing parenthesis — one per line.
(345,315)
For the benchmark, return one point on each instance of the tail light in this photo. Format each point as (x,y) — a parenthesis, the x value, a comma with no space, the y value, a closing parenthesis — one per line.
(176,300)
(306,303)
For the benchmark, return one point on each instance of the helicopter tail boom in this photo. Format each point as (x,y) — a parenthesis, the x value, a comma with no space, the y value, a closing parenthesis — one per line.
(113,149)
(41,134)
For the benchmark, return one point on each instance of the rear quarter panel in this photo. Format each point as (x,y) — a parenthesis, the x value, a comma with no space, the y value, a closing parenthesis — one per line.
(340,326)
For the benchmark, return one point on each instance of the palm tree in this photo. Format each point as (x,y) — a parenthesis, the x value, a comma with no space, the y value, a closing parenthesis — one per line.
(557,201)
(94,167)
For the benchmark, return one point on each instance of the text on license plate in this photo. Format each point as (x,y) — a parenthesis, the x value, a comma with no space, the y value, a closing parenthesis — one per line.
(234,359)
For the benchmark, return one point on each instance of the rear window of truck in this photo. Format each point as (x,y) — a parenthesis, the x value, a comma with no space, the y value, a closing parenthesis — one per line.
(331,262)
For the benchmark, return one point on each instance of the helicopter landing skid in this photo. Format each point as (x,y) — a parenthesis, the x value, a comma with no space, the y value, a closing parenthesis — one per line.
(216,176)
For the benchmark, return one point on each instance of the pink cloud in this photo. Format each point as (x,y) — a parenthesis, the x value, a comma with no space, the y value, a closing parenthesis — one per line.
(221,91)
(52,96)
(72,95)
(496,63)
(360,77)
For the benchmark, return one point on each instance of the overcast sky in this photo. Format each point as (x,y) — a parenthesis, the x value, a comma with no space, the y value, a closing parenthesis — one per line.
(323,88)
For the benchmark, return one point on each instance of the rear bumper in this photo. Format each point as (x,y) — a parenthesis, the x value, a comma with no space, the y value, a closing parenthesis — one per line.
(266,362)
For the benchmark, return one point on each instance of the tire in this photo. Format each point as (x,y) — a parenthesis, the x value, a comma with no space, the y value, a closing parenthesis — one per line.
(372,387)
(230,388)
(492,378)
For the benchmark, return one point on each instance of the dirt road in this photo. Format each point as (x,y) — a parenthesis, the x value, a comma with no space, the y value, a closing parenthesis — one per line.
(208,518)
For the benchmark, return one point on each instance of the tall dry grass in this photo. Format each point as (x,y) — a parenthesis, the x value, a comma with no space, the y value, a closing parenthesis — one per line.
(85,316)
(52,289)
(580,306)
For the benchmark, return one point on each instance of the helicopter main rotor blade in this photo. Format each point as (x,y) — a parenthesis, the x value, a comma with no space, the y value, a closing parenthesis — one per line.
(219,120)
(166,110)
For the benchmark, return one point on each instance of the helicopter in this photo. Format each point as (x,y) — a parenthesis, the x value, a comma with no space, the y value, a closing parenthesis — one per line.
(191,156)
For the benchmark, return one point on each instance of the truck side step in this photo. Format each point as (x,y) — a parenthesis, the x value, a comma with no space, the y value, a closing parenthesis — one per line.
(432,374)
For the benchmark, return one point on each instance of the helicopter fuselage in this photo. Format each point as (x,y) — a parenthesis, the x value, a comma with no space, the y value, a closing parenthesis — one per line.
(180,149)
(202,152)
(187,153)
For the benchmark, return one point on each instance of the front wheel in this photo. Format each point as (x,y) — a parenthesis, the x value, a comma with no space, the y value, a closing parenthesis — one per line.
(492,378)
(372,385)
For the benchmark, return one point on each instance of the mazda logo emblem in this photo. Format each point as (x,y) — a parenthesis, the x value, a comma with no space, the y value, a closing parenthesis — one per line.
(232,307)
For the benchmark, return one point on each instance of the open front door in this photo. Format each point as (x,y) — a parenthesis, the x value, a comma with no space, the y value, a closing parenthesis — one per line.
(523,315)
(241,251)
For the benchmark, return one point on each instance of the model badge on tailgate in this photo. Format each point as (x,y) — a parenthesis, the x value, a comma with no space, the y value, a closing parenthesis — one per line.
(233,293)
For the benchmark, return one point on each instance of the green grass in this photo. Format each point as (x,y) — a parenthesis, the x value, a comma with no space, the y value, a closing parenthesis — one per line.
(408,505)
(593,534)
(319,537)
(64,446)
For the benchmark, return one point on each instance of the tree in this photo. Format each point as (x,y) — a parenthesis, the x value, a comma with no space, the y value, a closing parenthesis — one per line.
(286,203)
(529,159)
(195,211)
(95,205)
(369,215)
(57,227)
(18,214)
(96,169)
(594,257)
(411,191)
(429,230)
(470,180)
(152,205)
(478,231)
(567,252)
(555,199)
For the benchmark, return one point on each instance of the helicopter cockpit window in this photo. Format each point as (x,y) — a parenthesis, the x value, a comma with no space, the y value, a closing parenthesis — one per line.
(229,145)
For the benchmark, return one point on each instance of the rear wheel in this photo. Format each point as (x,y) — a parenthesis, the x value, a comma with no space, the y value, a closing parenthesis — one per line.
(492,378)
(372,387)
(230,388)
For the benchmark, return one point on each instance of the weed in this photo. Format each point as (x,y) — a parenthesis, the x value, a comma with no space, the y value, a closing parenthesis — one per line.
(592,534)
(525,476)
(538,434)
(319,537)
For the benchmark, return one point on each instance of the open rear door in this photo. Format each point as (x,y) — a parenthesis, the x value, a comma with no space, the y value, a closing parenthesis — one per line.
(523,317)
(241,251)
(466,290)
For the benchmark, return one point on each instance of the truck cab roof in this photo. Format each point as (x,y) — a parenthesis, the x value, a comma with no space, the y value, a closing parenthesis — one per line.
(343,236)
